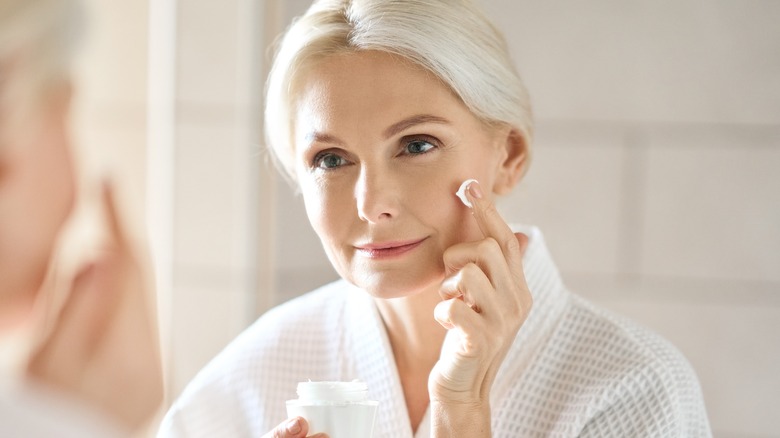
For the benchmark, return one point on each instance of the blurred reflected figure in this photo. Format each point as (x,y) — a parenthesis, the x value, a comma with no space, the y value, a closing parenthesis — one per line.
(94,369)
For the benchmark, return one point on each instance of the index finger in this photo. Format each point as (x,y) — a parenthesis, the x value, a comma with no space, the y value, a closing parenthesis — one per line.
(117,236)
(493,225)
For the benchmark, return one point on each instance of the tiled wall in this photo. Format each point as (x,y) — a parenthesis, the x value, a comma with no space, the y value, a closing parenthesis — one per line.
(216,182)
(654,179)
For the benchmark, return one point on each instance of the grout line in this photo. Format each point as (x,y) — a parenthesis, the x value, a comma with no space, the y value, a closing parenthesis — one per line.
(756,136)
(572,122)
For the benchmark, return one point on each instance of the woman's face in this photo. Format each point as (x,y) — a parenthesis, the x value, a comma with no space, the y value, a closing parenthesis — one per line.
(381,148)
(36,196)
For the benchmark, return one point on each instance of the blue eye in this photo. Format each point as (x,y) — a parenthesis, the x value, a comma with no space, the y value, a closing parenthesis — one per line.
(417,147)
(328,160)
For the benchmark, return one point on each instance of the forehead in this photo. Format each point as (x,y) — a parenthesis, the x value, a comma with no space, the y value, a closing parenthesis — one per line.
(370,85)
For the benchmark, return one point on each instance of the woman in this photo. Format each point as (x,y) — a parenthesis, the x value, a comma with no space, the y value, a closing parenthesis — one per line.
(378,110)
(66,369)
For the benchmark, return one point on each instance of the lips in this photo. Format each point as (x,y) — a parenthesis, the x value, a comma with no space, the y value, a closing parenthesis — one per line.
(390,249)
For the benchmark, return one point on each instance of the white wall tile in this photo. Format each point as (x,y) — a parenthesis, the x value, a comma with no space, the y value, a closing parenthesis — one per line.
(664,60)
(573,193)
(712,209)
(208,56)
(293,8)
(204,319)
(113,57)
(212,201)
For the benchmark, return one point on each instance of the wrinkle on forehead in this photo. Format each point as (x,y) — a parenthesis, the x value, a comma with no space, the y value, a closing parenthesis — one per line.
(327,79)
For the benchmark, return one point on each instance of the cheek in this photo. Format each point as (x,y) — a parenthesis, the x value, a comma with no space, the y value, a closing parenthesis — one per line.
(57,173)
(325,208)
(36,197)
(433,201)
(314,203)
(331,216)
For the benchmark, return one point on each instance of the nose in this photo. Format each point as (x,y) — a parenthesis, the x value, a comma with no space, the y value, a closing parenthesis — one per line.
(376,195)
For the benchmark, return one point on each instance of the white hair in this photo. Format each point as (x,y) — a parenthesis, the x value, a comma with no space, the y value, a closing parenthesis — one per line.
(36,42)
(452,39)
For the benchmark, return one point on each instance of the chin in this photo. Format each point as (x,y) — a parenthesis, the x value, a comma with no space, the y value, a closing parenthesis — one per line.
(389,286)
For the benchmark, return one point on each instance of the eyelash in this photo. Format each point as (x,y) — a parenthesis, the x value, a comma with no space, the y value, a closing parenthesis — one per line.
(320,157)
(408,141)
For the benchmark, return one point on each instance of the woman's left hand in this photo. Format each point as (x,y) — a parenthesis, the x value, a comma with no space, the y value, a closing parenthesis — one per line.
(485,302)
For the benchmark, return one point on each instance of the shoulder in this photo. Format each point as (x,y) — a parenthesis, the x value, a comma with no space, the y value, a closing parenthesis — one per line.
(307,314)
(639,381)
(620,344)
(288,328)
(243,388)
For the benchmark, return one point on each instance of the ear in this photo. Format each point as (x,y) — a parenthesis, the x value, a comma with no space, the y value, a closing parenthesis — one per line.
(514,159)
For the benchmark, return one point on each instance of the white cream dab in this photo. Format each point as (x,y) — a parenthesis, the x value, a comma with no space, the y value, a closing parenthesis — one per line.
(461,193)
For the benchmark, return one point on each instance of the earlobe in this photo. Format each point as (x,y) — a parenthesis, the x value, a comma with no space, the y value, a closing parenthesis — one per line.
(514,160)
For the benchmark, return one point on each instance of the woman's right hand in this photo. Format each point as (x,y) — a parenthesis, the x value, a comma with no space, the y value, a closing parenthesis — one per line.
(103,348)
(293,428)
(485,302)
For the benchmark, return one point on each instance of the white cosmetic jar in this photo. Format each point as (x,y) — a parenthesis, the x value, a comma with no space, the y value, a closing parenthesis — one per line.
(340,409)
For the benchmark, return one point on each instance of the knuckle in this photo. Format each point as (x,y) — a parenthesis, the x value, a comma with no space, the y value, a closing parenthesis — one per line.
(443,311)
(448,255)
(512,244)
(450,310)
(520,307)
(469,273)
(490,211)
(488,245)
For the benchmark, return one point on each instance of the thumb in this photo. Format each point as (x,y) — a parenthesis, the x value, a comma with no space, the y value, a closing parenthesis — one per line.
(293,428)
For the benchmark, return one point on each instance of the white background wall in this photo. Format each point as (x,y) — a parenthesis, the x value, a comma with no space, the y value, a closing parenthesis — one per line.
(654,175)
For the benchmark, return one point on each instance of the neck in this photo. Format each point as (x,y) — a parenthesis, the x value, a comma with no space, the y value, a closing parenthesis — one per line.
(416,339)
(414,334)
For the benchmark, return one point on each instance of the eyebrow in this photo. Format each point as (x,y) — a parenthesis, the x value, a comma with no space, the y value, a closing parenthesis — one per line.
(408,122)
(395,128)
(321,137)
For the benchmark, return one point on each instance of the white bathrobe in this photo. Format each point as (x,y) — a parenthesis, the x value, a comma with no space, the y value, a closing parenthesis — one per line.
(30,410)
(573,370)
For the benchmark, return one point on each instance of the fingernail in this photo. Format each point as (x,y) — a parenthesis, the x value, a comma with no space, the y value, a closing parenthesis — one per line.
(294,426)
(475,190)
